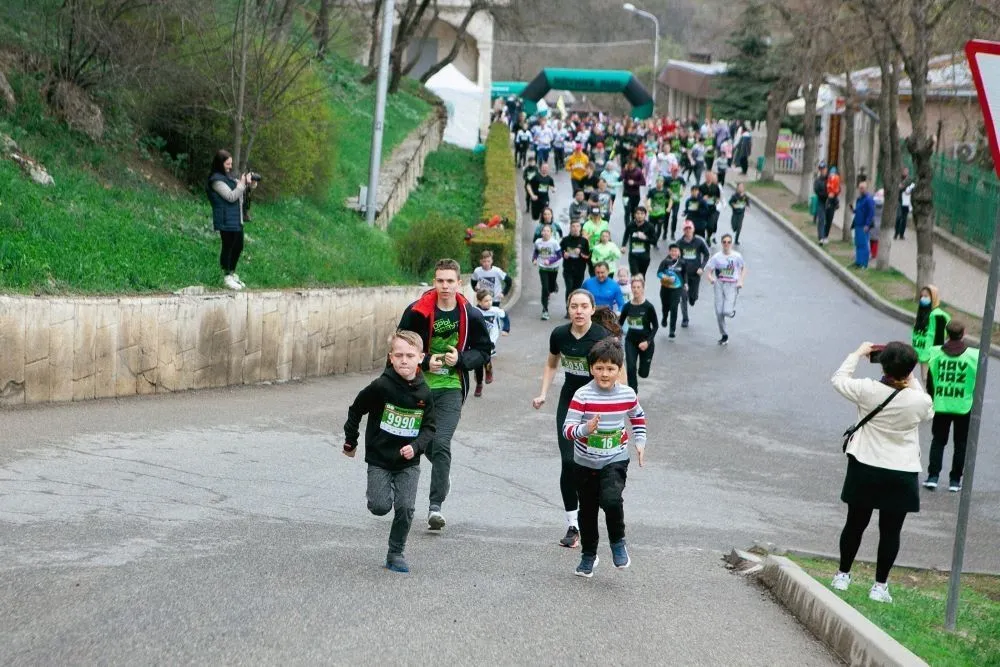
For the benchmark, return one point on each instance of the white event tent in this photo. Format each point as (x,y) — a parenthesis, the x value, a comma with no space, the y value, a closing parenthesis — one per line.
(463,99)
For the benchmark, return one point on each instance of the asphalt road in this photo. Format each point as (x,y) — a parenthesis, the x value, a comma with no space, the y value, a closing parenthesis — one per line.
(224,527)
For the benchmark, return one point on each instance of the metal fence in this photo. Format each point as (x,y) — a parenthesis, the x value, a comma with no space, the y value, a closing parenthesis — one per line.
(965,200)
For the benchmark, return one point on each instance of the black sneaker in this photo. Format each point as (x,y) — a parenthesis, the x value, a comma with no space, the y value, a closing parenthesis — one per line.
(587,564)
(664,322)
(724,340)
(684,324)
(545,314)
(572,539)
(672,335)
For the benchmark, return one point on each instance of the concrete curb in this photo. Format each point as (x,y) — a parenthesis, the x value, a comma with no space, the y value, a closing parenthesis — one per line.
(853,282)
(844,629)
(807,553)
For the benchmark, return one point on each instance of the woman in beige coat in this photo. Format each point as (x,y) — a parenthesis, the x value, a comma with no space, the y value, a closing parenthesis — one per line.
(883,457)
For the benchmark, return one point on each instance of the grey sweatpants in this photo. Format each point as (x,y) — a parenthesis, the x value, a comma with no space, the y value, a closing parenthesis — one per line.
(725,303)
(447,412)
(394,488)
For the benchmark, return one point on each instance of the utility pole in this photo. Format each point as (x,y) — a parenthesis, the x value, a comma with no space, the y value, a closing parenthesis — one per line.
(381,90)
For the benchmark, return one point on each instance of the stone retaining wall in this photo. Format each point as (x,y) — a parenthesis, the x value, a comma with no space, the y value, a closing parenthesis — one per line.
(398,176)
(76,349)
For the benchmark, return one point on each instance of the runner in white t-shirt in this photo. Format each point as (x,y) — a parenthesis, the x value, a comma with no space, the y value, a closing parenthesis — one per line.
(726,270)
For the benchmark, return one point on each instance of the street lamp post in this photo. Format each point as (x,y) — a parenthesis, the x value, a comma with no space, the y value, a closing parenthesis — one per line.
(378,121)
(629,7)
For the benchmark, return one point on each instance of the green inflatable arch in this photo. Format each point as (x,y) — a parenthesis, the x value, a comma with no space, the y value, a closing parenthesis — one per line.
(506,89)
(589,81)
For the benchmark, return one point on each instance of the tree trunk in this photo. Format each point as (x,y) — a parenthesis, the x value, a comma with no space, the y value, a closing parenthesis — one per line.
(241,87)
(894,166)
(850,157)
(321,31)
(457,46)
(374,43)
(775,106)
(921,146)
(810,96)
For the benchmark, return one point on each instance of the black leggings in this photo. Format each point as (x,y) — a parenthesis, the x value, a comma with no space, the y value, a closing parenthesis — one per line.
(637,363)
(890,525)
(567,480)
(550,284)
(232,247)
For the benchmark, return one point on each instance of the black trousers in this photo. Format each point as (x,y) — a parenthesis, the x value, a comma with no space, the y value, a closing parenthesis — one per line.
(637,362)
(713,221)
(902,214)
(631,203)
(573,273)
(832,204)
(520,154)
(638,264)
(659,223)
(537,206)
(890,526)
(722,178)
(232,248)
(601,489)
(674,210)
(550,285)
(669,300)
(693,283)
(737,225)
(939,439)
(559,157)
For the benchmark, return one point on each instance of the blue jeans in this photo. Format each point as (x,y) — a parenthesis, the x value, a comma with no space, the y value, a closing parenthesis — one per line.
(862,247)
(542,155)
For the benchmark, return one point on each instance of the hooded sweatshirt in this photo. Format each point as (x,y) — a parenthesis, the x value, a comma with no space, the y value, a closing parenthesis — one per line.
(473,345)
(928,329)
(400,412)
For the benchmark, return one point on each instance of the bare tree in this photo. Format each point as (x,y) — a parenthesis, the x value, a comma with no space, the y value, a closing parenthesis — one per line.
(252,74)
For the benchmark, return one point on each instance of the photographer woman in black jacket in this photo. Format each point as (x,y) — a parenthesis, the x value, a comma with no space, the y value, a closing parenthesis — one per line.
(226,197)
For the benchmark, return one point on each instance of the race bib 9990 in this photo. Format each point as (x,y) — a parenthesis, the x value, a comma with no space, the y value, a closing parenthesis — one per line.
(402,422)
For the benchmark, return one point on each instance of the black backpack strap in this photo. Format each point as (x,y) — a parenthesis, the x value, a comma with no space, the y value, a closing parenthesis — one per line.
(849,433)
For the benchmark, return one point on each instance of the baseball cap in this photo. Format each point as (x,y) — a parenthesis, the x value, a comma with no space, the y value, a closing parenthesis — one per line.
(822,164)
(595,210)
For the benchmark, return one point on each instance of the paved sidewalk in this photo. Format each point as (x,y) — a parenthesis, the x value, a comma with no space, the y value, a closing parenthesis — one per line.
(960,283)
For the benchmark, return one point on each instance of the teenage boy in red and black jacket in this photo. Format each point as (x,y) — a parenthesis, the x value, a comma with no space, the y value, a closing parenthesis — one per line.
(456,340)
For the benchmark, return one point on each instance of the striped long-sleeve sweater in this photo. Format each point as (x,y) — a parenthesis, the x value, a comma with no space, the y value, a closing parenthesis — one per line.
(609,443)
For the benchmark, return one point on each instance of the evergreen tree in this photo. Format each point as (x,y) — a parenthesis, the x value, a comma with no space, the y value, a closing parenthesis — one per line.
(743,88)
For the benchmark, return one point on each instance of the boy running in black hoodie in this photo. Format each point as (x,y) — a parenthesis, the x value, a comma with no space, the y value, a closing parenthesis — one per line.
(394,442)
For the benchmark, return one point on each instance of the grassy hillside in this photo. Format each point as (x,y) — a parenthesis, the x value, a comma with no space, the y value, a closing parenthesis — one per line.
(104,228)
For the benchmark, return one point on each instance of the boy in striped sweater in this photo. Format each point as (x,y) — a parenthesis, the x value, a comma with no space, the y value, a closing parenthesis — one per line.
(595,423)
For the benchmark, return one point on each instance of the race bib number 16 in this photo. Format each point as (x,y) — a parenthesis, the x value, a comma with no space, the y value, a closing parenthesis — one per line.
(402,422)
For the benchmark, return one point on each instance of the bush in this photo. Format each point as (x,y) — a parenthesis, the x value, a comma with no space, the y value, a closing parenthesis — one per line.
(500,241)
(421,246)
(499,199)
(500,196)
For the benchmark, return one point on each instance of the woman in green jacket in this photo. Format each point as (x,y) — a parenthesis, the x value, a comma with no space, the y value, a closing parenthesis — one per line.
(928,329)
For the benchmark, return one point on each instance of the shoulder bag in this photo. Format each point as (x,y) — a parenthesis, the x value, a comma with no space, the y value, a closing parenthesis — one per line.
(849,433)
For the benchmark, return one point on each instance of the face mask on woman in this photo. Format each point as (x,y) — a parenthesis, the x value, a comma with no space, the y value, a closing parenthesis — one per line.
(925,301)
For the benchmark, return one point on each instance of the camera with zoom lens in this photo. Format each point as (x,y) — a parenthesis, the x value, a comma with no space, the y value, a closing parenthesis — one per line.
(255,177)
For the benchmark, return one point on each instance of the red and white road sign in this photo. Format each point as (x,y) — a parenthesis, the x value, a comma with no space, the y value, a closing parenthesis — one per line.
(984,60)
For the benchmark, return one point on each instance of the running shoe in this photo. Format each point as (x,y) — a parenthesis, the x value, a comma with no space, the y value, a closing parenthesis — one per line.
(931,483)
(435,520)
(954,487)
(684,324)
(880,593)
(672,335)
(732,313)
(479,391)
(619,555)
(545,314)
(231,282)
(663,323)
(489,375)
(841,581)
(572,539)
(587,564)
(724,340)
(396,563)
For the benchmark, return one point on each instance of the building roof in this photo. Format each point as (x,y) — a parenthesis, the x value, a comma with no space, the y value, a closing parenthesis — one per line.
(691,78)
(948,76)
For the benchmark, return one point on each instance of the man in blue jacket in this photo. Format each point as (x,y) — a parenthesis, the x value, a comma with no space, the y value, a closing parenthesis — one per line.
(606,291)
(864,218)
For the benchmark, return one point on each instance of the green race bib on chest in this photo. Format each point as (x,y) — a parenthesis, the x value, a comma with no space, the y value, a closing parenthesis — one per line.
(576,365)
(605,439)
(400,421)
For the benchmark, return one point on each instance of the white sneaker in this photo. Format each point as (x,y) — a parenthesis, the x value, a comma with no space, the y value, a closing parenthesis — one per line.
(239,280)
(435,520)
(880,593)
(841,581)
(231,282)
